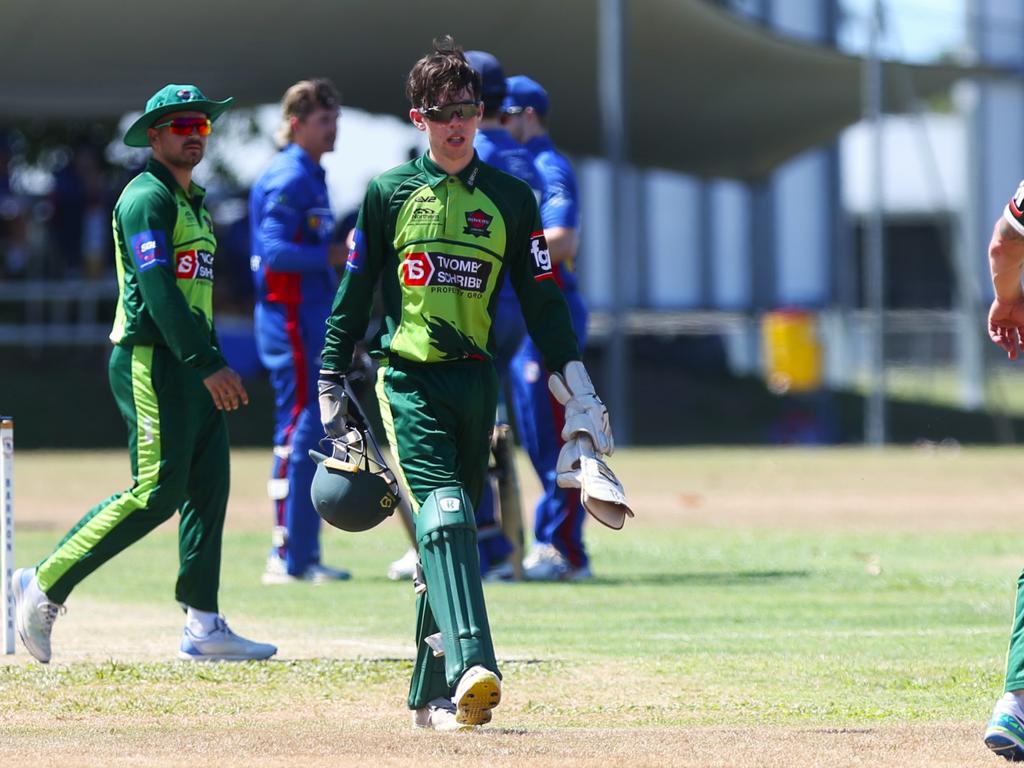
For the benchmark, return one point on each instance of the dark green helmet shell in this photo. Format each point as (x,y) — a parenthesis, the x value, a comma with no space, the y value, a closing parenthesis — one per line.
(350,496)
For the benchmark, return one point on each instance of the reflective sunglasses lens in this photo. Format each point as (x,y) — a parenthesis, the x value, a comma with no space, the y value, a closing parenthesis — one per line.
(183,126)
(464,110)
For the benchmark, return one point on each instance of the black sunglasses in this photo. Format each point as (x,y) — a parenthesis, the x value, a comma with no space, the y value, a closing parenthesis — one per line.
(444,114)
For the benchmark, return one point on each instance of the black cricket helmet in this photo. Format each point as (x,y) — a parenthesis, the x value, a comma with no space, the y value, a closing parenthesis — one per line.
(353,490)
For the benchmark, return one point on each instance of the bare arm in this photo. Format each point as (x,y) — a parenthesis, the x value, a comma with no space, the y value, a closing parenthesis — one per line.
(1006,264)
(562,243)
(1006,260)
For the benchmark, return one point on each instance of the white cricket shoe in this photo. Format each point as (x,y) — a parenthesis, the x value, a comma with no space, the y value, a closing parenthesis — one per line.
(276,572)
(221,644)
(34,613)
(503,571)
(439,715)
(404,568)
(545,563)
(478,692)
(1004,734)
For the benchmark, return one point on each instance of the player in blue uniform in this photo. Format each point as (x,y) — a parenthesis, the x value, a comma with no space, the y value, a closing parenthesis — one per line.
(293,266)
(496,146)
(558,552)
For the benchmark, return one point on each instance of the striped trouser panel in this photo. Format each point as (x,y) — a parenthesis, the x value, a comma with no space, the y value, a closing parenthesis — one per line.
(162,438)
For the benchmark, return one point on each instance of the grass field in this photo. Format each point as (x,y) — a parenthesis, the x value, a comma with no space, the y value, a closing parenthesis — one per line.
(766,608)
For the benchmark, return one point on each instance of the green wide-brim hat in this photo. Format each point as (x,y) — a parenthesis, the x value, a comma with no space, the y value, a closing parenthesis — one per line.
(172,98)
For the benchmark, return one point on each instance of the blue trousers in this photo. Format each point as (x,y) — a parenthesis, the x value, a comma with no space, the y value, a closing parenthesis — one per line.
(558,519)
(510,330)
(290,349)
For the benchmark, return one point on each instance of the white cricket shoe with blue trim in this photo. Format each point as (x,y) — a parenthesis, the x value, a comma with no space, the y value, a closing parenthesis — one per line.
(545,563)
(221,644)
(1004,734)
(276,572)
(404,568)
(34,613)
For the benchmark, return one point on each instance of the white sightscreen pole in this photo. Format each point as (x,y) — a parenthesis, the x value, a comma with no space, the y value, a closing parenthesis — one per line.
(610,64)
(7,528)
(874,413)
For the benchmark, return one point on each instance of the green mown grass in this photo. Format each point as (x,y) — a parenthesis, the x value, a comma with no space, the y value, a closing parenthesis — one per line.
(788,627)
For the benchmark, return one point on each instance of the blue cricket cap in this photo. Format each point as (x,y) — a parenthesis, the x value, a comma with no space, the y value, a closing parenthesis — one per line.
(522,92)
(492,77)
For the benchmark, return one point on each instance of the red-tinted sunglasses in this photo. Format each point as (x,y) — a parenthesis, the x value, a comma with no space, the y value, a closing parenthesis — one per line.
(183,126)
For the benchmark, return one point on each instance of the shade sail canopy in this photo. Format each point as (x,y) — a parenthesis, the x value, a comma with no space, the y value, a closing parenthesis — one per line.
(709,93)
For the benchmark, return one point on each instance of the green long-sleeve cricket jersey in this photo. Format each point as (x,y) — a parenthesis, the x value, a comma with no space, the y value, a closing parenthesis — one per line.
(164,244)
(442,246)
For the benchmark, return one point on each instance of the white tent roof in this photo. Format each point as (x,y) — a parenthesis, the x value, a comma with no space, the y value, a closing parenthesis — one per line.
(708,93)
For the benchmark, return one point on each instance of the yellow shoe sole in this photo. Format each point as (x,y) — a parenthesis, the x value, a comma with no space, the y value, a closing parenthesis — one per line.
(477,694)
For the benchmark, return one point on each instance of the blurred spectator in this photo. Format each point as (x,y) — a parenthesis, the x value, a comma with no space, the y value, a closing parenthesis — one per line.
(83,203)
(13,219)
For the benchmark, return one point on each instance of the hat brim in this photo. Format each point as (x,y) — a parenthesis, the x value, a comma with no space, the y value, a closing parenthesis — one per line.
(136,136)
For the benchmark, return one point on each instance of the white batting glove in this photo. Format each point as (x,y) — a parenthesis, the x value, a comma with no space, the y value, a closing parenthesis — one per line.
(584,411)
(333,403)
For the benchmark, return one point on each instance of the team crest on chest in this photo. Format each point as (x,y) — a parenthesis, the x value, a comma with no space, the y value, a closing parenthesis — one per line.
(478,223)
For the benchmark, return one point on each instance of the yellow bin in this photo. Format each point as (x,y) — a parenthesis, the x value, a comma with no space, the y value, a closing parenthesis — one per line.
(792,351)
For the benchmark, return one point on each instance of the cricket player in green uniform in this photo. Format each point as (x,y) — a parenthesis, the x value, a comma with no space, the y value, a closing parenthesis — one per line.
(442,233)
(172,386)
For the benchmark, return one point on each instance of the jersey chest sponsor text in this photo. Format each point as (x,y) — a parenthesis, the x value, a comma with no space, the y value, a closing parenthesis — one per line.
(442,270)
(194,264)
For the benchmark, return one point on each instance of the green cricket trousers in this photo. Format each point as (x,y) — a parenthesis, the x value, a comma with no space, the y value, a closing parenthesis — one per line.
(178,442)
(438,418)
(1014,680)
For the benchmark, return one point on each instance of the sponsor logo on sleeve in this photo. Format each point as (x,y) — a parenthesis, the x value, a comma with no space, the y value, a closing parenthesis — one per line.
(149,248)
(193,265)
(354,262)
(443,272)
(1017,203)
(541,257)
(477,223)
(320,222)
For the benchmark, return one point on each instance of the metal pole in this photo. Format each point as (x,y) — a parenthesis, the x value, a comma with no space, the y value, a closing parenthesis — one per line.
(7,528)
(874,413)
(611,67)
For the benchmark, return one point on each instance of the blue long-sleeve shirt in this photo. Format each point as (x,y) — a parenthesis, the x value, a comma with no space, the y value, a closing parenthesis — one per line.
(560,205)
(291,224)
(495,146)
